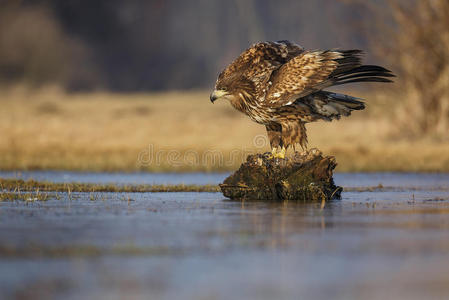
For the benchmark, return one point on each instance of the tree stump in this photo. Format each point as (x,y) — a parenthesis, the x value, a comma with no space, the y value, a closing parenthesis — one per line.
(303,176)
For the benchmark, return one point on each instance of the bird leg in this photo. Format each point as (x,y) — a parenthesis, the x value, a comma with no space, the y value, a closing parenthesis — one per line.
(280,154)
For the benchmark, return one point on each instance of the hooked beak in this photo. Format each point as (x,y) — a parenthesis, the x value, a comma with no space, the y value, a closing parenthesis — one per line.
(217,94)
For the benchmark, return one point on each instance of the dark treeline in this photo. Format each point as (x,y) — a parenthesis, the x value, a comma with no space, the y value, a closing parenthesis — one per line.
(138,45)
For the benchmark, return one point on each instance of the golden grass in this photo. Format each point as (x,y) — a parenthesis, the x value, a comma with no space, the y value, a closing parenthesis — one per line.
(183,131)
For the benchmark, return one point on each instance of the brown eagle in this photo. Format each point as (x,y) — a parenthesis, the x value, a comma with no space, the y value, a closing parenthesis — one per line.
(281,85)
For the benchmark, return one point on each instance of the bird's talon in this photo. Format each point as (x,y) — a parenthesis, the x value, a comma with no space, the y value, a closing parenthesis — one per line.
(274,154)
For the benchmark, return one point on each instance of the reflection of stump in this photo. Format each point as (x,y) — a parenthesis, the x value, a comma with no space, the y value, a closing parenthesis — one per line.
(303,176)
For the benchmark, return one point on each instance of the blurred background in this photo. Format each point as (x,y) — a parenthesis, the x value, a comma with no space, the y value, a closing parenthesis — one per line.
(89,85)
(141,45)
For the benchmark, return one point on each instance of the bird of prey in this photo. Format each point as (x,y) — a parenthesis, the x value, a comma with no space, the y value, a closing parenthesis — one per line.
(282,86)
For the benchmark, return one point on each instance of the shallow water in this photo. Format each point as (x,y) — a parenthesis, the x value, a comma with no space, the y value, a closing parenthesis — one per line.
(342,179)
(371,245)
(118,178)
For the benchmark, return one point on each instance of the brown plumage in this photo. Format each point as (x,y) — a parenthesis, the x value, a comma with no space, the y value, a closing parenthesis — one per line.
(281,85)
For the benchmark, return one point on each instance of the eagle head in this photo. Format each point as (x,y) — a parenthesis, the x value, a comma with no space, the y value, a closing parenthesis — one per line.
(231,87)
(217,94)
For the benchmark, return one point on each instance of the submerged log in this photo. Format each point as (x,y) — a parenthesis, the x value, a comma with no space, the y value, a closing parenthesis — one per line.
(303,176)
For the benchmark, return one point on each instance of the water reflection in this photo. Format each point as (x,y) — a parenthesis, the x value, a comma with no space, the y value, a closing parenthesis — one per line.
(370,245)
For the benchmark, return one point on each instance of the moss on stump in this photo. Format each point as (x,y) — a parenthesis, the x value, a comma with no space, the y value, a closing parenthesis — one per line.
(304,176)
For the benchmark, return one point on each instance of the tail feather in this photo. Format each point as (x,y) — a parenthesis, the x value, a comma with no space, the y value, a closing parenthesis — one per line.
(353,103)
(332,106)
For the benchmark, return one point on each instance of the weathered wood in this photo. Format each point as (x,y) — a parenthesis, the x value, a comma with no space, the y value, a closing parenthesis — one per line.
(304,176)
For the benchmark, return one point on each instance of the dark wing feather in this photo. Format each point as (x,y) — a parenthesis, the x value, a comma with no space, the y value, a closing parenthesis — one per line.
(314,71)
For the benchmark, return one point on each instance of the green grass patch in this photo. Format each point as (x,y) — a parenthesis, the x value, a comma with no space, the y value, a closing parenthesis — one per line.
(10,187)
(83,251)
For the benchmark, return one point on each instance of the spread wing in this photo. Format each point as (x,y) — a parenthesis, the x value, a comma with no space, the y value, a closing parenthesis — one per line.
(305,74)
(259,61)
(310,72)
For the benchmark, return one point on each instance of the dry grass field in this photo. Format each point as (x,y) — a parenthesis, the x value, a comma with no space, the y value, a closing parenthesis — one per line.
(183,131)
